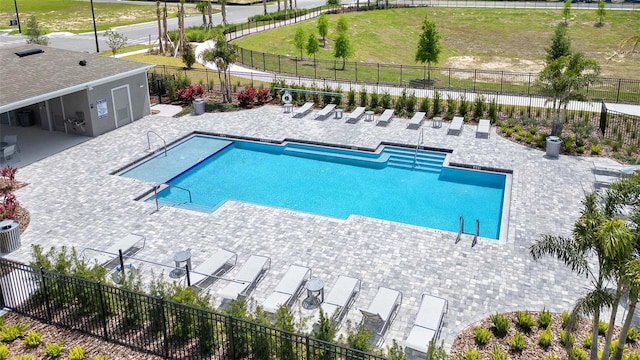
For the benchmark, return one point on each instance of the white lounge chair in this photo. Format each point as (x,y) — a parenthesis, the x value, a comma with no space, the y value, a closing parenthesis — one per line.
(288,289)
(428,323)
(211,269)
(247,277)
(416,120)
(325,112)
(303,111)
(11,140)
(356,115)
(385,118)
(484,126)
(340,298)
(129,245)
(455,128)
(382,310)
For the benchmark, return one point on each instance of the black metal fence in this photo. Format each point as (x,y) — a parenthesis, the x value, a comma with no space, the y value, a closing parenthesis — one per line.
(620,127)
(150,324)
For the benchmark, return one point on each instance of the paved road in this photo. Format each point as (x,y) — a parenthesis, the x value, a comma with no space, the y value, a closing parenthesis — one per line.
(147,32)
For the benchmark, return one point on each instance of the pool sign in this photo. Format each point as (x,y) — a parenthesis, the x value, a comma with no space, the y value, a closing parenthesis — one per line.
(103,111)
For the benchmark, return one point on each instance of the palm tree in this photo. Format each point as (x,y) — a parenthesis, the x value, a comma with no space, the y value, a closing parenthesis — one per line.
(632,42)
(223,10)
(597,233)
(202,7)
(223,55)
(566,79)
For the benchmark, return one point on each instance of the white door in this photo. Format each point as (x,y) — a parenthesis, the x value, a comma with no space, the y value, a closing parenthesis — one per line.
(121,105)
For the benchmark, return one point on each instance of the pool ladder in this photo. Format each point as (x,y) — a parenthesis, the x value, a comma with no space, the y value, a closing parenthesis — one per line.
(157,186)
(160,137)
(461,231)
(418,143)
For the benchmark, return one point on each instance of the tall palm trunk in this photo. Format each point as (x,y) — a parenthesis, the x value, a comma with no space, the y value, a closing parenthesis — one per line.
(210,13)
(612,322)
(158,14)
(264,6)
(633,299)
(223,9)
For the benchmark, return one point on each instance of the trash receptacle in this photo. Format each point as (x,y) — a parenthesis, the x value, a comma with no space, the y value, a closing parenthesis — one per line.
(553,146)
(198,107)
(9,236)
(25,118)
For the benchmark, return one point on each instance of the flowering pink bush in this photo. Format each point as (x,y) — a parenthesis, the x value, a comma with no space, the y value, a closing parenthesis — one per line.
(8,206)
(9,173)
(188,94)
(252,97)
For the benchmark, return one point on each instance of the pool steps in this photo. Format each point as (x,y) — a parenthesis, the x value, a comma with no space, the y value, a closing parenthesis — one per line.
(408,159)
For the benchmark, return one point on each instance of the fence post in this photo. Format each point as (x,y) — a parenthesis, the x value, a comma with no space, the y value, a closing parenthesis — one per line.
(618,92)
(264,62)
(335,70)
(103,308)
(251,53)
(306,342)
(475,79)
(400,74)
(529,86)
(165,335)
(45,291)
(279,67)
(230,336)
(378,79)
(449,86)
(355,63)
(501,79)
(603,118)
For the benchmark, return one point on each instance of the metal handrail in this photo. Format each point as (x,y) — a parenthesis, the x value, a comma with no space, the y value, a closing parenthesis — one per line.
(155,192)
(420,140)
(160,137)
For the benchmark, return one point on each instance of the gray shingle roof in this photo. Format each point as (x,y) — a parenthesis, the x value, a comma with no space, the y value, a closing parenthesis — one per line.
(53,71)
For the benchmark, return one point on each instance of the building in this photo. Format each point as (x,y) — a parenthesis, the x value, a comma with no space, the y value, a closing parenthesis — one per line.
(71,92)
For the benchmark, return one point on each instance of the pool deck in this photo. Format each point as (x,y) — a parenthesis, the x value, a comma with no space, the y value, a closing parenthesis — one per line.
(74,201)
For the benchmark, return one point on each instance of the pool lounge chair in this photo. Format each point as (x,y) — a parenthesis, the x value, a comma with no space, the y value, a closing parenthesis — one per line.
(385,118)
(205,274)
(382,310)
(130,245)
(304,110)
(484,126)
(428,323)
(325,112)
(416,120)
(455,128)
(247,278)
(288,289)
(342,295)
(356,115)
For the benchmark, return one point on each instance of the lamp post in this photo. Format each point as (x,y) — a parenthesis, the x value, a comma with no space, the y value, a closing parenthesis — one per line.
(95,31)
(15,3)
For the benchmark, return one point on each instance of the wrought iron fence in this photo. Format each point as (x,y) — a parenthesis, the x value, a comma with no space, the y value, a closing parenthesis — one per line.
(150,324)
(620,127)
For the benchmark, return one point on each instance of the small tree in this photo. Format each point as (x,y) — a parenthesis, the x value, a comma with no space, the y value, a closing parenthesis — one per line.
(188,55)
(342,26)
(566,11)
(313,46)
(600,12)
(202,8)
(223,55)
(333,3)
(35,33)
(298,40)
(343,49)
(560,44)
(115,41)
(428,46)
(323,28)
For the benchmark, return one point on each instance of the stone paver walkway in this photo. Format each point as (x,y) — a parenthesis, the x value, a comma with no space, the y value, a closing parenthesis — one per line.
(75,201)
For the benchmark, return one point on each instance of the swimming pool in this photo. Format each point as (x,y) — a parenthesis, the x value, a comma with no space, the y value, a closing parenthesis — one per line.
(396,184)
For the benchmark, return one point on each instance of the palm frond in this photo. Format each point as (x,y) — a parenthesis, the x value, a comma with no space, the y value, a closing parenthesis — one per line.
(563,249)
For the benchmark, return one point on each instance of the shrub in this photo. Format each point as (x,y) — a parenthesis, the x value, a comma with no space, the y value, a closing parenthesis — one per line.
(10,333)
(517,342)
(482,336)
(451,108)
(633,356)
(425,105)
(545,338)
(463,108)
(508,132)
(252,96)
(188,94)
(99,357)
(586,343)
(472,354)
(436,103)
(395,352)
(22,357)
(479,107)
(549,357)
(525,320)
(566,338)
(363,96)
(351,98)
(633,334)
(412,100)
(4,352)
(603,326)
(565,318)
(77,353)
(501,324)
(385,100)
(595,149)
(544,318)
(53,350)
(497,354)
(32,339)
(578,354)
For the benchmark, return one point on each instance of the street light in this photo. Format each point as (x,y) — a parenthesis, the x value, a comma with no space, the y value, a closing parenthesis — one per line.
(17,16)
(95,31)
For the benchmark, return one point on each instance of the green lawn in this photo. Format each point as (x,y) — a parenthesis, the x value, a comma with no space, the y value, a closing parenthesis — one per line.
(390,36)
(75,16)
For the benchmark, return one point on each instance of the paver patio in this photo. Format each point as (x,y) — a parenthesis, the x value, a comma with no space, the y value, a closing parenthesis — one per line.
(74,201)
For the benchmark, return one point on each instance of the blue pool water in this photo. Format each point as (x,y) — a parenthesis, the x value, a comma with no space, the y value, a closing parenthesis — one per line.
(334,182)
